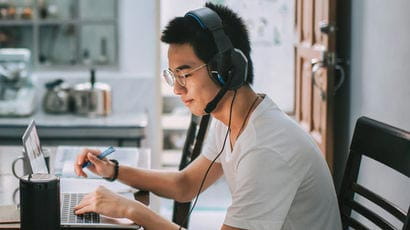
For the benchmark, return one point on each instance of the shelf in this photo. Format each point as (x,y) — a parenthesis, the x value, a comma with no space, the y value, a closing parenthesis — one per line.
(17,22)
(66,33)
(175,122)
(51,21)
(72,21)
(167,91)
(171,158)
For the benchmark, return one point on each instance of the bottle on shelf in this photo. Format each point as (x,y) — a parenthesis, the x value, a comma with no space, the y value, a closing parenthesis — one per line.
(102,58)
(86,58)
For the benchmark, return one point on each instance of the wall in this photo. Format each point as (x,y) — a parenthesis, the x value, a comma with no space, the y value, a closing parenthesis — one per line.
(380,66)
(271,31)
(379,82)
(138,36)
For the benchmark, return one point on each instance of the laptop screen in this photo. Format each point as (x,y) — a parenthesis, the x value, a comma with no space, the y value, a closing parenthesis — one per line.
(32,149)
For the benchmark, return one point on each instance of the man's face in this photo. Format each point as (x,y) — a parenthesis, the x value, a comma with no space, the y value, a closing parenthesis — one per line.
(199,89)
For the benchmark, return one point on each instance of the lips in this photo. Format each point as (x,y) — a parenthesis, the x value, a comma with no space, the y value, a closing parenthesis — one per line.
(187,102)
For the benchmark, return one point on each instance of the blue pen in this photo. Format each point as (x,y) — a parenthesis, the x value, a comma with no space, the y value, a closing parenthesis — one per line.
(101,156)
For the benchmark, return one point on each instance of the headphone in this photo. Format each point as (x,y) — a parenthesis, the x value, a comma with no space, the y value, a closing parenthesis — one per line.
(229,66)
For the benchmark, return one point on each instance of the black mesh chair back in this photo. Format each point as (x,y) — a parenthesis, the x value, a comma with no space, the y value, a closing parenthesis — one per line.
(192,148)
(387,145)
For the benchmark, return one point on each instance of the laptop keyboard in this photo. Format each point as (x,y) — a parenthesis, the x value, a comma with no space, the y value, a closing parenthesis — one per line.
(70,200)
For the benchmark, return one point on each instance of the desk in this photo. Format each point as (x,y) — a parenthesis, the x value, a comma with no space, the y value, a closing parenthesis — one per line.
(117,129)
(9,184)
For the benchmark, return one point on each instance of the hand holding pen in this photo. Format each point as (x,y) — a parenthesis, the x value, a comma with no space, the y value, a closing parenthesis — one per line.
(101,156)
(94,161)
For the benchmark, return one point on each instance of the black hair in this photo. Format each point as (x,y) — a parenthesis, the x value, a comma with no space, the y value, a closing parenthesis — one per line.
(185,30)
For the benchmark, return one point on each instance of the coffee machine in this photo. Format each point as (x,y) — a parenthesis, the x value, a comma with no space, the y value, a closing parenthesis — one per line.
(17,91)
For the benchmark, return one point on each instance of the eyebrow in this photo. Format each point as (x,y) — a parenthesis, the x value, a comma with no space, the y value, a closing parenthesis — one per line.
(182,67)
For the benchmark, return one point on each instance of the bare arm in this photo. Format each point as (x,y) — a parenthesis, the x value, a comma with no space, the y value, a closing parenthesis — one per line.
(227,227)
(108,203)
(181,186)
(193,175)
(147,218)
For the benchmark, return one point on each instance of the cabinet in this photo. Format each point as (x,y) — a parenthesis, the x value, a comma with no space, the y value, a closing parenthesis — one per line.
(62,33)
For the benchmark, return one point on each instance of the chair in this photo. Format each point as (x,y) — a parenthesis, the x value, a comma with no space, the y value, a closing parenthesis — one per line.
(387,145)
(192,148)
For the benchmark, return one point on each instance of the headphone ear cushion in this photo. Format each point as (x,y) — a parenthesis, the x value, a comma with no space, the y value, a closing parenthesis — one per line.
(217,78)
(231,65)
(215,71)
(239,70)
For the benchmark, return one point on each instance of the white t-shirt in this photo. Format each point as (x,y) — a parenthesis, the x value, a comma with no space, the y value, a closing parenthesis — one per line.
(276,174)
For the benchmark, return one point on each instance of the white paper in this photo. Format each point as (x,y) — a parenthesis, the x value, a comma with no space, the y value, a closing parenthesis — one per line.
(79,185)
(66,155)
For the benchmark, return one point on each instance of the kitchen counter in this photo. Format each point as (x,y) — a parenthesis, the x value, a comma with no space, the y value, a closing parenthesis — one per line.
(133,100)
(118,129)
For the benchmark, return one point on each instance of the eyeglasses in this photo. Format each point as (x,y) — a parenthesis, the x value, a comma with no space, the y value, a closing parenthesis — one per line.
(170,77)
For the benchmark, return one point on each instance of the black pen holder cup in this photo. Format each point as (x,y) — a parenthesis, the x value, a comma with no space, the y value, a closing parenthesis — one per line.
(40,202)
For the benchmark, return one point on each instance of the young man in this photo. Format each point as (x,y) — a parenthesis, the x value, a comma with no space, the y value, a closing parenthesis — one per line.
(275,172)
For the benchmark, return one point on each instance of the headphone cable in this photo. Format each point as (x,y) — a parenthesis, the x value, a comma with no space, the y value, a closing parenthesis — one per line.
(213,161)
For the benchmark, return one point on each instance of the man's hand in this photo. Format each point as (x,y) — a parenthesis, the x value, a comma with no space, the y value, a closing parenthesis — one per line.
(227,227)
(103,167)
(104,202)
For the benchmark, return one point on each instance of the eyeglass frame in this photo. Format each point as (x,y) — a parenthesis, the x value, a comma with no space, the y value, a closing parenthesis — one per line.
(179,76)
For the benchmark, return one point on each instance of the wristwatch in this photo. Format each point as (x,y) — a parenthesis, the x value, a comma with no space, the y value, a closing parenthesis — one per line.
(116,167)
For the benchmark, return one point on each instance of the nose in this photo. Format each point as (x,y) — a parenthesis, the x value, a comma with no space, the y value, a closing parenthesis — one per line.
(179,89)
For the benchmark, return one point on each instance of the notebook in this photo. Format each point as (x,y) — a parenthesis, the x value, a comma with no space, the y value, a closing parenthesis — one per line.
(33,152)
(9,214)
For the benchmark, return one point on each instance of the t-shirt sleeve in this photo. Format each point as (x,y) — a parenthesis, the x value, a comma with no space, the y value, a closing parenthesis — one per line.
(265,189)
(210,146)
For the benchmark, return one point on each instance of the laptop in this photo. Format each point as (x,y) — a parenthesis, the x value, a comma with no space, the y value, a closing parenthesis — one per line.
(33,152)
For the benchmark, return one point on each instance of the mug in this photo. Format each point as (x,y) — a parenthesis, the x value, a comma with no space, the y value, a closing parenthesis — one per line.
(26,166)
(26,163)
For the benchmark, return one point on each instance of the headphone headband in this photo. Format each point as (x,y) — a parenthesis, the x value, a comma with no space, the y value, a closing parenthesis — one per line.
(210,20)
